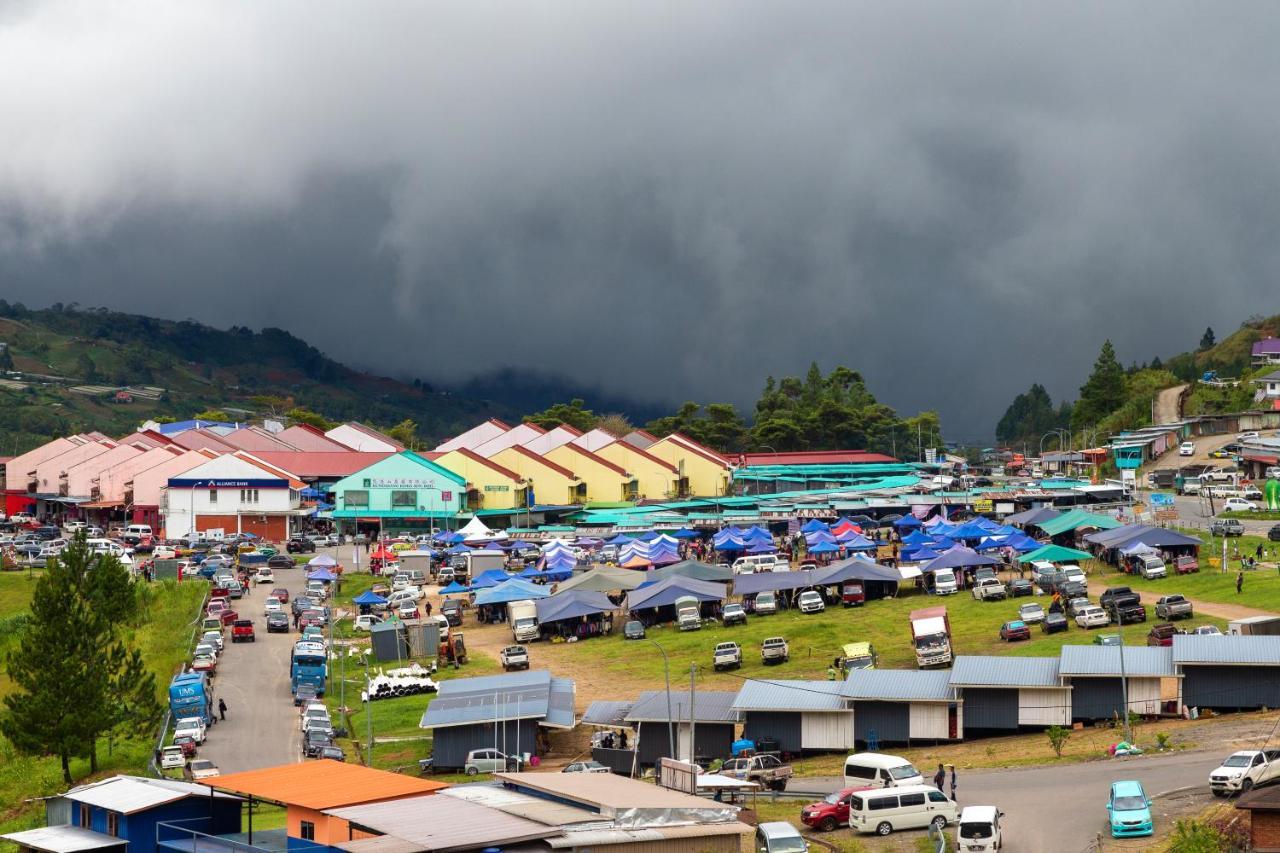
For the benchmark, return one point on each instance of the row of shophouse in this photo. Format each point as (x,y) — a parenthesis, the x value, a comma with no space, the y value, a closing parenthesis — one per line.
(201,476)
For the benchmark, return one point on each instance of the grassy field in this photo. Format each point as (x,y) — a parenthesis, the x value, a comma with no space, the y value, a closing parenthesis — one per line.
(814,640)
(163,636)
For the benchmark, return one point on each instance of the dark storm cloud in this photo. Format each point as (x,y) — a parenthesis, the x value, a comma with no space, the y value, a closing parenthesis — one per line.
(671,200)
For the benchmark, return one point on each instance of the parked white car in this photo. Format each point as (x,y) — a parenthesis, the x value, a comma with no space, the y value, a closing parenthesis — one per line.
(192,727)
(1244,770)
(365,622)
(264,576)
(979,829)
(1092,616)
(811,602)
(1238,505)
(1187,448)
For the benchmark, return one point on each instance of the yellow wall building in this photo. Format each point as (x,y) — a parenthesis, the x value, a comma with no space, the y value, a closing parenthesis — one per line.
(548,482)
(605,480)
(704,473)
(655,478)
(489,484)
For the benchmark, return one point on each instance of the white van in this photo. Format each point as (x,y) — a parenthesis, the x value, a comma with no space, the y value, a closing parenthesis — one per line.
(1152,567)
(759,563)
(108,546)
(944,582)
(979,829)
(908,807)
(878,770)
(135,533)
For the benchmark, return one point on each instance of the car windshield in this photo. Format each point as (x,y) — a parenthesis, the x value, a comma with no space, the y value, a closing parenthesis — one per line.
(1129,804)
(905,771)
(976,830)
(1238,761)
(788,845)
(832,799)
(860,662)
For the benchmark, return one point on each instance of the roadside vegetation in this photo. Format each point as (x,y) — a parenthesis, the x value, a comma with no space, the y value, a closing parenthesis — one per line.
(158,629)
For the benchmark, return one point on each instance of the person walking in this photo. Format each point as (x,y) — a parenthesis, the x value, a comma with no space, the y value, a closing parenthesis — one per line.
(953,782)
(940,778)
(1239,581)
(222,709)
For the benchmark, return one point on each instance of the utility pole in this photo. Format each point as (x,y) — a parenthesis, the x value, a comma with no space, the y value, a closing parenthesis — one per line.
(1124,680)
(693,720)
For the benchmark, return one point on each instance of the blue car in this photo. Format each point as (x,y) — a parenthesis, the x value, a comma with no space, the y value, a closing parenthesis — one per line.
(1129,810)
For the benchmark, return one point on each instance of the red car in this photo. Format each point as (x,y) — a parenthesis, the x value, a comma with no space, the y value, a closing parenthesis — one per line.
(280,594)
(242,631)
(1015,630)
(831,812)
(187,744)
(228,617)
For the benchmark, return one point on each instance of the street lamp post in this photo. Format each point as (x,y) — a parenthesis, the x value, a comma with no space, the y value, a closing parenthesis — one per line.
(666,668)
(1124,681)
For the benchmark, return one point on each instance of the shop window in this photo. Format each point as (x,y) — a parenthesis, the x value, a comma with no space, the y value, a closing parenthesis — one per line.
(307,830)
(404,499)
(213,496)
(248,496)
(356,498)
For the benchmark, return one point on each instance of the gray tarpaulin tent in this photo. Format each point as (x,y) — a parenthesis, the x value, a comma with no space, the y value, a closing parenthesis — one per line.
(773,581)
(855,568)
(603,579)
(1033,516)
(691,569)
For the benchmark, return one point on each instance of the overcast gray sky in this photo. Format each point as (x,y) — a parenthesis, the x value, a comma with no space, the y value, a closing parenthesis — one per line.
(667,199)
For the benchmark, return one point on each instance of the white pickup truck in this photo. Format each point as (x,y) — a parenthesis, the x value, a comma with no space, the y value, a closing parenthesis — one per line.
(1244,770)
(727,656)
(774,650)
(989,589)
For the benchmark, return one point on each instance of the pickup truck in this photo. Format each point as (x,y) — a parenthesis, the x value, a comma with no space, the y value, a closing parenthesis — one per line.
(989,589)
(242,631)
(514,657)
(733,614)
(1244,770)
(774,650)
(726,656)
(1123,602)
(1173,607)
(766,770)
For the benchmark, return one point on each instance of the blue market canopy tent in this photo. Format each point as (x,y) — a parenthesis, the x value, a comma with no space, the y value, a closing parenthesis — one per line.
(368,598)
(919,555)
(917,537)
(907,521)
(686,533)
(513,590)
(573,604)
(665,592)
(321,575)
(812,526)
(454,588)
(958,558)
(491,578)
(824,548)
(858,542)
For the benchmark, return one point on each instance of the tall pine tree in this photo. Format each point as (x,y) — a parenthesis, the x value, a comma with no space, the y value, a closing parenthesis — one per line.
(1207,339)
(1103,392)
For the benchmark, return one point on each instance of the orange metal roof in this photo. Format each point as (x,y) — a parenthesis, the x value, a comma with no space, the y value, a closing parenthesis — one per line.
(324,784)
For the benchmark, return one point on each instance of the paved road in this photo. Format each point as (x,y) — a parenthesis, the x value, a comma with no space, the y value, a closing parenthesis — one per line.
(1062,808)
(261,729)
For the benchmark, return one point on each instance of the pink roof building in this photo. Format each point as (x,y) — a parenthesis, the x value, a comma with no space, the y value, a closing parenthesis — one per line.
(113,482)
(308,438)
(49,473)
(147,485)
(79,481)
(19,469)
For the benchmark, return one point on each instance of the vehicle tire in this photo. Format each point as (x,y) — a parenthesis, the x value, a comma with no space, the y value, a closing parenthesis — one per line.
(1246,785)
(828,824)
(473,771)
(1219,793)
(940,823)
(884,828)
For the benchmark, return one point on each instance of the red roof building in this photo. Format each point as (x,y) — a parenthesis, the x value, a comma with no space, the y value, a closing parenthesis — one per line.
(814,457)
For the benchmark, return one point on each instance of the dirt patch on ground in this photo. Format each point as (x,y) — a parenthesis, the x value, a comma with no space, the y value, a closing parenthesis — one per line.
(1226,611)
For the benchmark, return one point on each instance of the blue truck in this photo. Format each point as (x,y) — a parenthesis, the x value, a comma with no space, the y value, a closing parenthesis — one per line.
(308,665)
(189,696)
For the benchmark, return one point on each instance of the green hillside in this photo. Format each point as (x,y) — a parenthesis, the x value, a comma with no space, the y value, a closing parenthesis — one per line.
(64,369)
(1115,398)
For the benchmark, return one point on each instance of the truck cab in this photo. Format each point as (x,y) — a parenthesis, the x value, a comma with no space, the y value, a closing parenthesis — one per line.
(774,650)
(727,656)
(1244,770)
(688,613)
